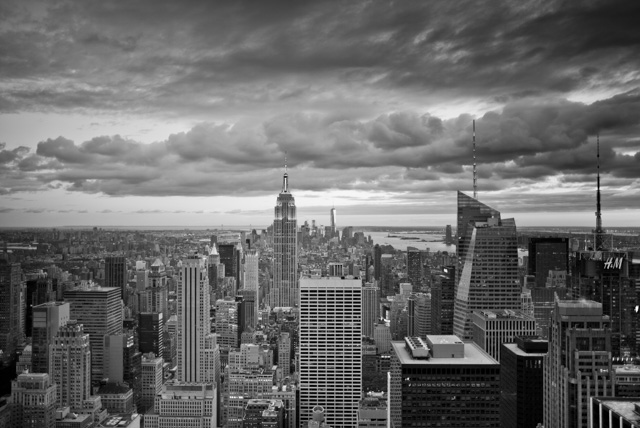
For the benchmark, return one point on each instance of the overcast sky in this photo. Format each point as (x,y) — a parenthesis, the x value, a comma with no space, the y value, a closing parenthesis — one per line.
(180,113)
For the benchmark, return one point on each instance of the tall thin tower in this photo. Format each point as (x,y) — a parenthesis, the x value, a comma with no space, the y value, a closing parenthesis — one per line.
(284,292)
(475,172)
(599,232)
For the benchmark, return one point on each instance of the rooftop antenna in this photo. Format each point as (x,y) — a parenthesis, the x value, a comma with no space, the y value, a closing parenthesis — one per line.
(285,178)
(599,232)
(475,173)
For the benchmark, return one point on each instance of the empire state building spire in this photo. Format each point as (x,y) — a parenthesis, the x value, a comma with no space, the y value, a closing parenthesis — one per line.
(285,177)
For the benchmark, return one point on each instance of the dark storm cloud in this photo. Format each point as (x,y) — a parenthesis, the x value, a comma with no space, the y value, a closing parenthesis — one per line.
(200,57)
(400,153)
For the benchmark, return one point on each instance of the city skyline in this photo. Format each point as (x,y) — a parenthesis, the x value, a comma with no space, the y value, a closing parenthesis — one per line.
(172,114)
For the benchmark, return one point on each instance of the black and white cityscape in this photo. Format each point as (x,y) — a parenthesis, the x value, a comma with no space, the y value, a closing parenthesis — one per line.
(319,214)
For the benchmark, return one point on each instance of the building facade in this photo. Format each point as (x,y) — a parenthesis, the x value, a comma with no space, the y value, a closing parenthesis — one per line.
(493,328)
(70,365)
(330,348)
(33,401)
(47,320)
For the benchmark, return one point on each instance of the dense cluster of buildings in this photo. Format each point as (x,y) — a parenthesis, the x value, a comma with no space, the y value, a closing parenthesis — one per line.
(310,326)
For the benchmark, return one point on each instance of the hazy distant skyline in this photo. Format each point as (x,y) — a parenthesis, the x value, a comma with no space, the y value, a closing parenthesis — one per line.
(179,113)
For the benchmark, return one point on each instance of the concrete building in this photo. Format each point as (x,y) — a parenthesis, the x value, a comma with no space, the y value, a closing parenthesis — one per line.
(522,382)
(578,363)
(117,398)
(70,365)
(330,348)
(442,381)
(182,405)
(33,401)
(614,412)
(284,354)
(123,363)
(115,274)
(493,328)
(414,267)
(99,310)
(259,413)
(373,411)
(47,320)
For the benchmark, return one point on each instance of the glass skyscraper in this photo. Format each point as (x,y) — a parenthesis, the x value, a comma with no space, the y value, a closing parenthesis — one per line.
(488,261)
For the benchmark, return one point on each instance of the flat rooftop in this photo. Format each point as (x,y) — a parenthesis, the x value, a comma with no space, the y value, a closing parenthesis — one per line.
(473,355)
(625,407)
(513,347)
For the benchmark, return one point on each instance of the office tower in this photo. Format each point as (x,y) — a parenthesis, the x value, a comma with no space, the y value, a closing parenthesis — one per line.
(171,341)
(33,401)
(142,275)
(489,248)
(578,363)
(99,310)
(370,308)
(331,348)
(448,235)
(156,294)
(522,382)
(493,328)
(414,267)
(47,320)
(182,404)
(543,303)
(151,332)
(419,314)
(386,280)
(377,268)
(115,274)
(231,257)
(251,270)
(442,301)
(284,292)
(399,317)
(151,381)
(70,365)
(194,325)
(11,328)
(123,362)
(334,222)
(260,413)
(443,382)
(39,290)
(227,322)
(603,276)
(547,255)
(213,273)
(372,411)
(284,354)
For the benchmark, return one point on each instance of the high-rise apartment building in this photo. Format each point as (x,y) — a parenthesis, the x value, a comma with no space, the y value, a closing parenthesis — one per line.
(11,307)
(285,289)
(443,382)
(195,340)
(545,255)
(330,349)
(47,320)
(370,308)
(227,322)
(522,381)
(115,274)
(284,354)
(33,401)
(489,277)
(99,310)
(493,328)
(578,363)
(70,365)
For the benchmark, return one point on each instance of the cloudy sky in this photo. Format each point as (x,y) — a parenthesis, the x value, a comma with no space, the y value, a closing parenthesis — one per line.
(180,113)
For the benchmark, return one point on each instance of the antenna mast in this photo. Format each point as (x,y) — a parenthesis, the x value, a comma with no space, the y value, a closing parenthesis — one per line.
(599,238)
(475,173)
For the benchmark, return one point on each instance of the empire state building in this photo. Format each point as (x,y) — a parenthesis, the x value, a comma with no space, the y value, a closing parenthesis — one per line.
(285,291)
